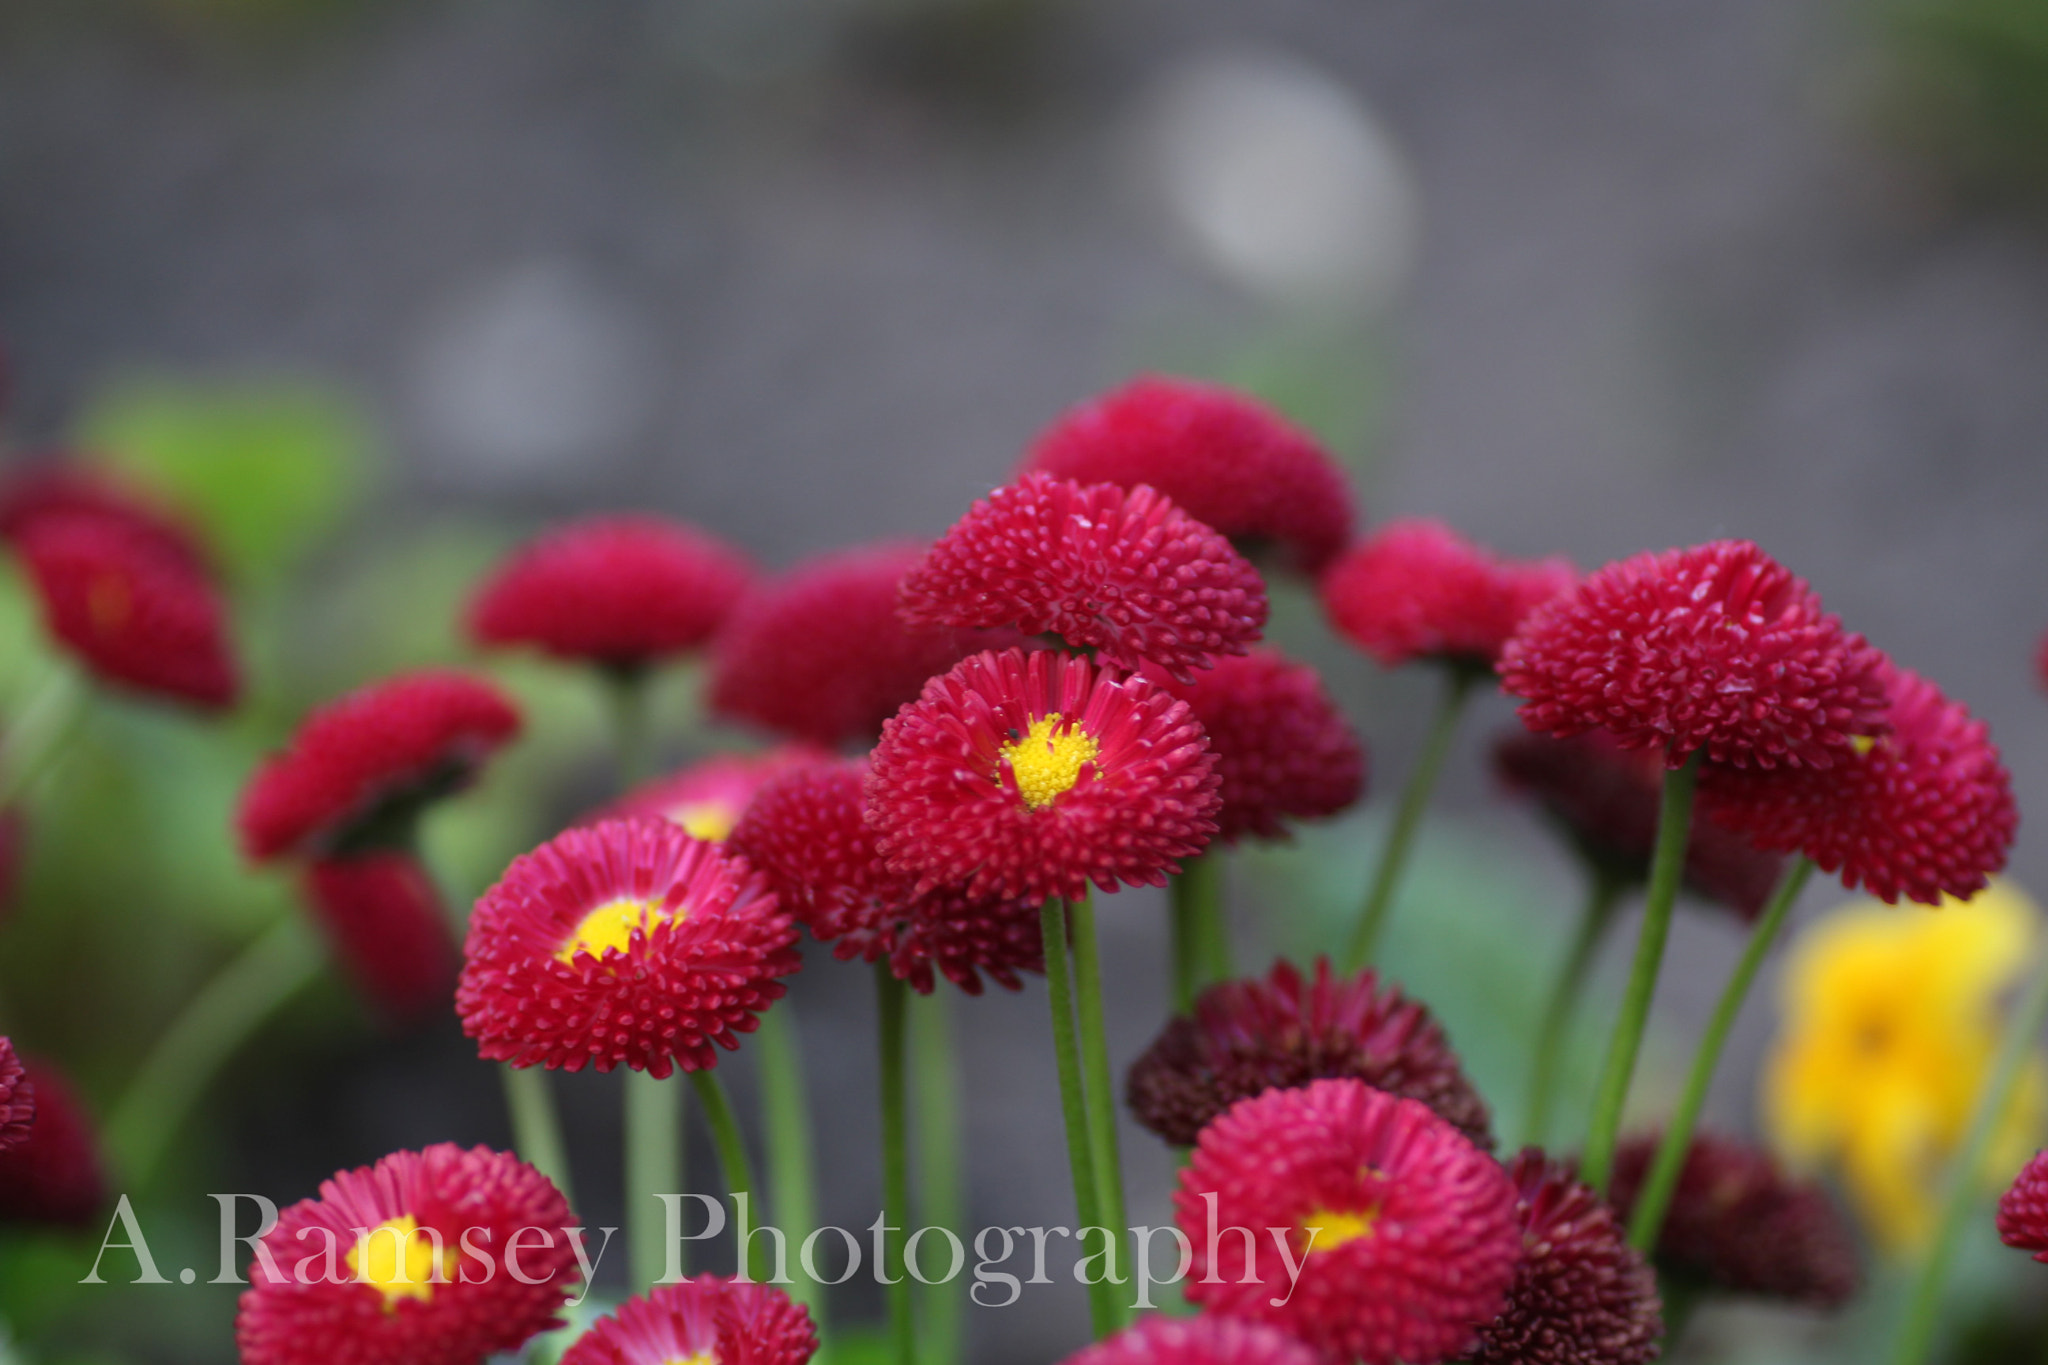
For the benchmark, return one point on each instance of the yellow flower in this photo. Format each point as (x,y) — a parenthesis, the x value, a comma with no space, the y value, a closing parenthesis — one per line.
(1892,1021)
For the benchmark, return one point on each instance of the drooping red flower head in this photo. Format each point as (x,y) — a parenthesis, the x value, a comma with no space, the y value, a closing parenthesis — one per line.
(134,613)
(806,832)
(1718,647)
(60,489)
(1283,749)
(1605,799)
(1033,775)
(364,765)
(820,654)
(383,916)
(1922,811)
(54,1175)
(1227,460)
(1741,1225)
(710,1318)
(1405,1232)
(436,1257)
(2022,1210)
(1246,1037)
(707,799)
(1418,589)
(17,1098)
(1207,1340)
(628,942)
(1127,574)
(622,591)
(1582,1295)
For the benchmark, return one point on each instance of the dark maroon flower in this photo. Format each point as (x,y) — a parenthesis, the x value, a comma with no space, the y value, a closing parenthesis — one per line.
(17,1098)
(384,918)
(55,1175)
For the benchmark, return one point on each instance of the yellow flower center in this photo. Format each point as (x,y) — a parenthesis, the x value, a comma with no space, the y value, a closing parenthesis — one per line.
(397,1260)
(707,1356)
(1049,758)
(1327,1229)
(711,821)
(1862,744)
(611,925)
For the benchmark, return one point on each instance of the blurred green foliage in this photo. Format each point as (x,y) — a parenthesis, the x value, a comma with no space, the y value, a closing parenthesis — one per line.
(1969,86)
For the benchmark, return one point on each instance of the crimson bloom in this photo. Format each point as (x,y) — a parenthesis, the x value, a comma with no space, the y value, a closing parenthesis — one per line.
(55,1174)
(1030,776)
(1226,459)
(706,799)
(805,831)
(436,1257)
(1418,589)
(17,1097)
(710,1318)
(1922,811)
(361,768)
(622,591)
(1128,574)
(2022,1210)
(62,489)
(383,916)
(1246,1037)
(1206,1340)
(1716,648)
(1405,1232)
(628,942)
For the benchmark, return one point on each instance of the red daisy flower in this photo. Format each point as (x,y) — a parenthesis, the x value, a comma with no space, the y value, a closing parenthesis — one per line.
(807,834)
(1128,574)
(820,654)
(1582,1295)
(1922,811)
(55,1174)
(383,915)
(1418,589)
(366,764)
(1405,1232)
(133,612)
(17,1098)
(1604,798)
(629,942)
(437,1257)
(705,800)
(1227,460)
(711,1319)
(1718,647)
(1032,775)
(622,591)
(1283,749)
(57,489)
(2022,1210)
(1246,1037)
(1162,1340)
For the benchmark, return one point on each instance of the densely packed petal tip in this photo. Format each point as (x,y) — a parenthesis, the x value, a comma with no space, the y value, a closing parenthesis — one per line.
(1206,1340)
(709,1319)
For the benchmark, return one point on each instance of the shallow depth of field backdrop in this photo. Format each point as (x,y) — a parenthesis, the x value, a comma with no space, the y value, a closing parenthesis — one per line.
(386,286)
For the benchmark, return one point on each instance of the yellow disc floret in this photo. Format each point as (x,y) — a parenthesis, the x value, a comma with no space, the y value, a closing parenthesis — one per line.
(1327,1229)
(1048,759)
(711,821)
(399,1260)
(611,925)
(707,1356)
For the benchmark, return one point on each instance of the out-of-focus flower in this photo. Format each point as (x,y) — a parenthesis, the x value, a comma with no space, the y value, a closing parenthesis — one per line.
(1604,798)
(1891,1023)
(17,1097)
(360,768)
(1225,459)
(55,1175)
(1246,1037)
(1716,648)
(1418,589)
(806,832)
(1206,1340)
(2023,1209)
(628,942)
(387,1266)
(12,822)
(383,916)
(1582,1295)
(622,591)
(1283,749)
(1128,574)
(707,799)
(60,489)
(1740,1225)
(1922,811)
(1033,775)
(709,1319)
(1406,1232)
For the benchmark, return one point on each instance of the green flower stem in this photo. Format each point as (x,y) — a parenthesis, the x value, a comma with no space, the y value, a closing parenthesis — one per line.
(1602,899)
(633,754)
(180,1067)
(1201,937)
(942,1195)
(889,1009)
(1052,923)
(536,1127)
(654,1167)
(732,1156)
(1647,1220)
(1674,828)
(1372,916)
(1915,1340)
(792,1170)
(1097,1087)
